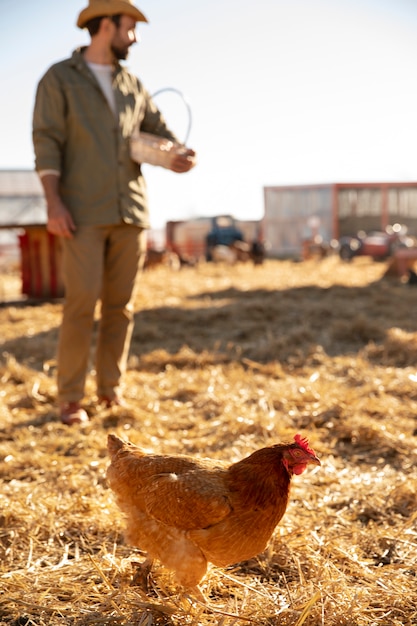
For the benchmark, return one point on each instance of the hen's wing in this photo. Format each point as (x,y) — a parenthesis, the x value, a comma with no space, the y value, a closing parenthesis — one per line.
(196,499)
(179,491)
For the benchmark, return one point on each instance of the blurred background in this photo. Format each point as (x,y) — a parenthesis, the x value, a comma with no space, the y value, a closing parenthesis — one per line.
(281,92)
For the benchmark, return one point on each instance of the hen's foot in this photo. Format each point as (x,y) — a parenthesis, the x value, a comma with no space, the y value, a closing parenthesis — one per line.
(142,575)
(194,594)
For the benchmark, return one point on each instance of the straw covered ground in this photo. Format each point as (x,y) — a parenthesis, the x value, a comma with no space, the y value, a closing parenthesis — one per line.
(224,361)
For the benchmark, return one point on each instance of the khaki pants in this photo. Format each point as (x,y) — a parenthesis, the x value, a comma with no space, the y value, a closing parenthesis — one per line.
(100,262)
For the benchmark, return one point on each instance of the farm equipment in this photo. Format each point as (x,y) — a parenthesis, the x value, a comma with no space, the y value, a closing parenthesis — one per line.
(224,232)
(379,245)
(193,240)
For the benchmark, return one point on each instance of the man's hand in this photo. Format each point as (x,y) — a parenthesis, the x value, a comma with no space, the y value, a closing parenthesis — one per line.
(60,221)
(183,161)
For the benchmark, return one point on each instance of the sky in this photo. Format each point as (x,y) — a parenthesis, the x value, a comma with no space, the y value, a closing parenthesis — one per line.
(280,92)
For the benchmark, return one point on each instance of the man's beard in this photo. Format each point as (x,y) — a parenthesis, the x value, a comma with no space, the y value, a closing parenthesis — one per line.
(120,53)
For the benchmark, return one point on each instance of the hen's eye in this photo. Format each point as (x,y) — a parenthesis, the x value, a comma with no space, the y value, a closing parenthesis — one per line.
(297,453)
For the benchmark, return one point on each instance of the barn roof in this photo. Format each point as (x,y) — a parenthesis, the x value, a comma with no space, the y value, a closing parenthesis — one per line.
(21,199)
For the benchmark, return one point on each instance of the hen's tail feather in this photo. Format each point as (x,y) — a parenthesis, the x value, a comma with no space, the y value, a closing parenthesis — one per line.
(114,444)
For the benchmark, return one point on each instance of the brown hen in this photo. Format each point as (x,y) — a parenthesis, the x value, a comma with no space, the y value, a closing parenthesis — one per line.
(186,511)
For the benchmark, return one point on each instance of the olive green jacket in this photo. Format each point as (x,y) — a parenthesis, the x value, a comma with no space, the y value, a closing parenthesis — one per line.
(76,133)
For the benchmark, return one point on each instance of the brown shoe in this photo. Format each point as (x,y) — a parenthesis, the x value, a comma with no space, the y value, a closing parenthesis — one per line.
(108,402)
(73,413)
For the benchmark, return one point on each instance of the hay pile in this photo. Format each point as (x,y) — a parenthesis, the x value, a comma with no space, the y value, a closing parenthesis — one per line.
(224,361)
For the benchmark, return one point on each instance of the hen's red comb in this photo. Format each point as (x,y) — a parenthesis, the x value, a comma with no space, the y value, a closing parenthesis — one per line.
(303,443)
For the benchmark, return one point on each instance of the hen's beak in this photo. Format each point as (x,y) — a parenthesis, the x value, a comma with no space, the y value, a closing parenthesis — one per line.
(314,460)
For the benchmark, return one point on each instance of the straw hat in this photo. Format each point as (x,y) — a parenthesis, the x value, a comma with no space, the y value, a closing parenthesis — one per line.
(98,8)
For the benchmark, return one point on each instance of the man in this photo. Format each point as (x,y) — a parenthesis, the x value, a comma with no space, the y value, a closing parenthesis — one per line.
(86,109)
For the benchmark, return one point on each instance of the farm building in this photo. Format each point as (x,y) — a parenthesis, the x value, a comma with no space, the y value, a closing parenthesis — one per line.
(21,199)
(23,234)
(298,213)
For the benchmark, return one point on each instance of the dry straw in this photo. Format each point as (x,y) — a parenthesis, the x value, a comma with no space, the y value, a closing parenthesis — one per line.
(223,361)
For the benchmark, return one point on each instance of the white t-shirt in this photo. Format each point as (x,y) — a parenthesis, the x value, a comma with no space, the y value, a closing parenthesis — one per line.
(103,73)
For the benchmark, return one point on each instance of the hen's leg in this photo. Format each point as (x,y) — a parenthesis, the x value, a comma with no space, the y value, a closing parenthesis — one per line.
(141,576)
(195,593)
